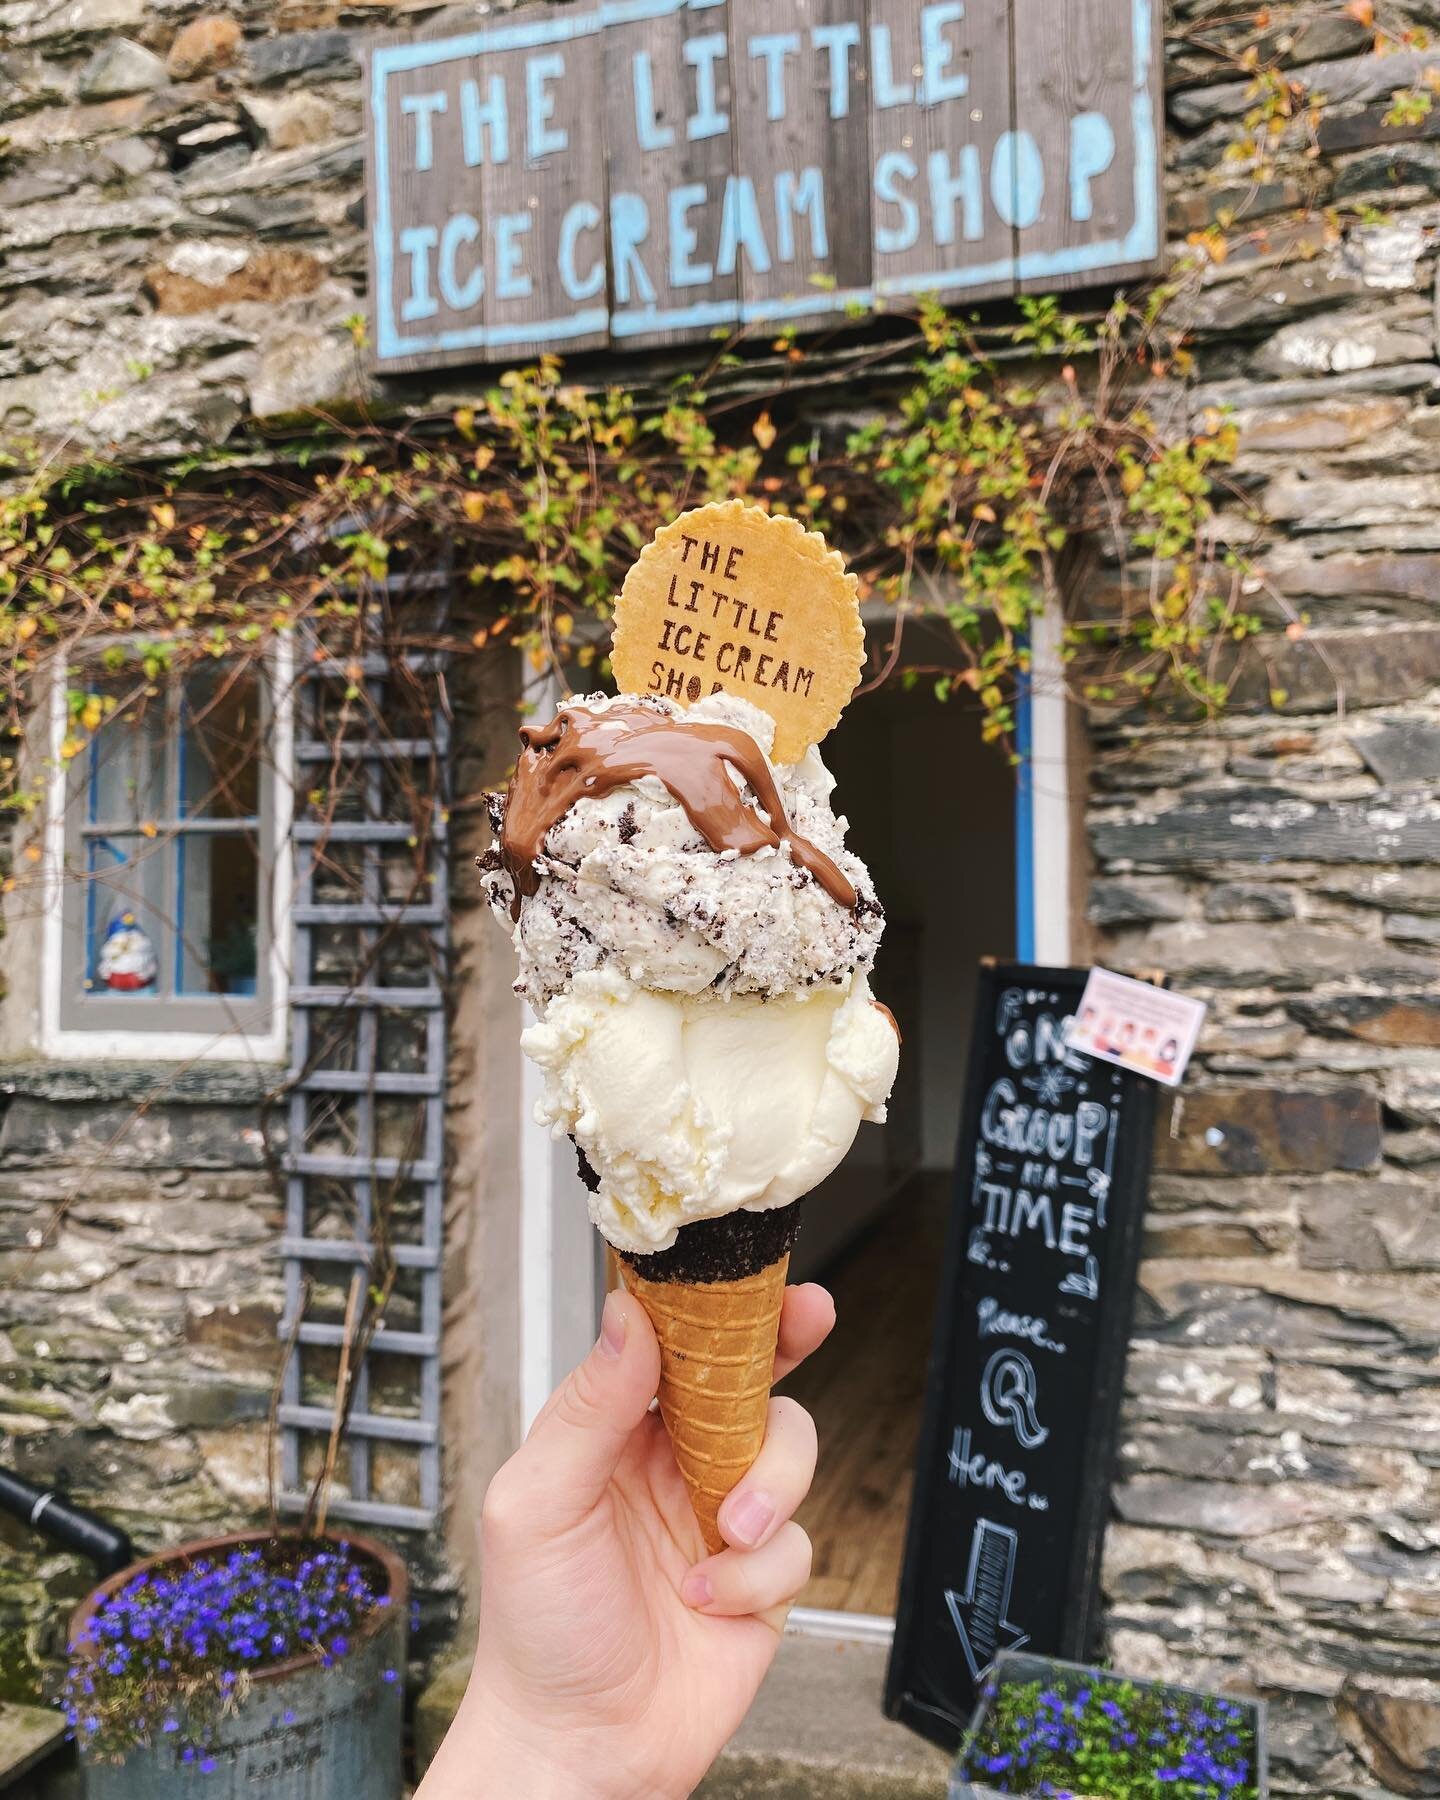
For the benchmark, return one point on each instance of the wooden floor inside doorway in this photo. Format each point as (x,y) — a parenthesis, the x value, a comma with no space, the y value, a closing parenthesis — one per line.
(865,1388)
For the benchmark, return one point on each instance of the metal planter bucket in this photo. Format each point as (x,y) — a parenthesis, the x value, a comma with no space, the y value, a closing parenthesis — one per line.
(1013,1668)
(303,1732)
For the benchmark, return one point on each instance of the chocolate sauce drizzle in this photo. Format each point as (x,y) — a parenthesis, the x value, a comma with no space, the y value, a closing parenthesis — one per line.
(583,755)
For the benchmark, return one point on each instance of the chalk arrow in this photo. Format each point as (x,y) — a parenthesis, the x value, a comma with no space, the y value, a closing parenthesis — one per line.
(981,1613)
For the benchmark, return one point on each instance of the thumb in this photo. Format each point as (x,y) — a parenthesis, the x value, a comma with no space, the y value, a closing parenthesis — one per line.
(583,1428)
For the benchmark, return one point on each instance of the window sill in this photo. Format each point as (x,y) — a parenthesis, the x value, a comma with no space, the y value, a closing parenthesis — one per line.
(201,1084)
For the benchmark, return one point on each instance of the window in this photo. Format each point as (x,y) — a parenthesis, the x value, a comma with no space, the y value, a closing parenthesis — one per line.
(168,832)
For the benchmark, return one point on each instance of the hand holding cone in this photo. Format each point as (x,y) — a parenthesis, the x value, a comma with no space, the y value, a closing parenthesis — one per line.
(713,1060)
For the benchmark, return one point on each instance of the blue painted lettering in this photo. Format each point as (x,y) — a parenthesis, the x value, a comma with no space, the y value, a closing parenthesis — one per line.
(540,138)
(629,228)
(1017,179)
(423,108)
(774,47)
(512,282)
(683,239)
(1092,150)
(891,169)
(740,228)
(883,85)
(794,195)
(837,41)
(702,54)
(459,295)
(937,53)
(946,188)
(477,117)
(417,242)
(584,215)
(650,134)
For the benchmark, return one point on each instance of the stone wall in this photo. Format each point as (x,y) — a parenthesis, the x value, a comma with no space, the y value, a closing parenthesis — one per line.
(138,1338)
(1280,1485)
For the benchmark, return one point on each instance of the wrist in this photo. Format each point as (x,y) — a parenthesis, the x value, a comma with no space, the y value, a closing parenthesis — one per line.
(495,1751)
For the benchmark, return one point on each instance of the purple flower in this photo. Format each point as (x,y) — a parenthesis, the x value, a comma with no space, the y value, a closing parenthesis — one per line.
(196,1627)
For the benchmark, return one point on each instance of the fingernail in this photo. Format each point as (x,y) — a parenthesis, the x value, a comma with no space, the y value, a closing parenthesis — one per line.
(612,1326)
(748,1515)
(695,1590)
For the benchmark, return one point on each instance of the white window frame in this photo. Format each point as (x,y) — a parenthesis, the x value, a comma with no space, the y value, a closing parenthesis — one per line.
(61,1044)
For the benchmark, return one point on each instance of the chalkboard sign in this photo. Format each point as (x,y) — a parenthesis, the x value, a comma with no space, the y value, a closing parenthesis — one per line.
(1028,1356)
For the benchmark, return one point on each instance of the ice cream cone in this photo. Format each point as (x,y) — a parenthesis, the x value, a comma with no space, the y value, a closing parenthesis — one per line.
(717,1361)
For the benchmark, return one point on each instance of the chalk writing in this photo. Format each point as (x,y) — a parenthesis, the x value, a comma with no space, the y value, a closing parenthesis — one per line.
(981,1612)
(996,1321)
(1007,1396)
(1027,1365)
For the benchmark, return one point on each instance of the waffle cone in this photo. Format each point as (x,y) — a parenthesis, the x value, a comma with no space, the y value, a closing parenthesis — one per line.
(717,1360)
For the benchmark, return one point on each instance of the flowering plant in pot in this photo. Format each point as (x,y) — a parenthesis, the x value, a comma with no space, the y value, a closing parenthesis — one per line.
(1061,1731)
(258,1662)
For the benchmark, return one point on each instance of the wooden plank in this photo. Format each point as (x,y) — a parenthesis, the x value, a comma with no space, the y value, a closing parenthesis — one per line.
(667,90)
(456,232)
(802,154)
(940,109)
(864,1390)
(653,172)
(1087,95)
(544,205)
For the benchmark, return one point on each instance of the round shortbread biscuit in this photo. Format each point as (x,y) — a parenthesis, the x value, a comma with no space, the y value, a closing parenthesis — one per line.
(730,598)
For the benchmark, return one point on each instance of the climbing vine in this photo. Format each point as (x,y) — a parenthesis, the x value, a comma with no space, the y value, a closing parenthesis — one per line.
(959,500)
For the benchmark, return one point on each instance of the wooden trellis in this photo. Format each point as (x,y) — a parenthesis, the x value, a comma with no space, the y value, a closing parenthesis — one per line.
(364,1161)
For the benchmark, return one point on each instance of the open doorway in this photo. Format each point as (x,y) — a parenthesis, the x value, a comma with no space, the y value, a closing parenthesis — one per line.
(932,812)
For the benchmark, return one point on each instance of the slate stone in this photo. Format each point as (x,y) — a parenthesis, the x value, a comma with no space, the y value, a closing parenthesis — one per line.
(1400,751)
(1412,929)
(1244,956)
(1350,338)
(203,45)
(1238,901)
(322,55)
(1224,1508)
(1209,1238)
(1386,1226)
(1393,890)
(1331,425)
(1325,502)
(1267,1130)
(39,1133)
(1397,1736)
(1356,80)
(1113,903)
(1354,578)
(1226,1314)
(1388,167)
(1244,395)
(1219,1449)
(286,121)
(1323,1584)
(1398,1020)
(241,1085)
(119,67)
(1262,826)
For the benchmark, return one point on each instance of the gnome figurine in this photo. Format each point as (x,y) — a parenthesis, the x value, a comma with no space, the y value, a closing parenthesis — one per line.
(127,958)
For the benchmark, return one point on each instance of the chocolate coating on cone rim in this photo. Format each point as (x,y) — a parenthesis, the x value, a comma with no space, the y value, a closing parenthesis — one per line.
(725,1249)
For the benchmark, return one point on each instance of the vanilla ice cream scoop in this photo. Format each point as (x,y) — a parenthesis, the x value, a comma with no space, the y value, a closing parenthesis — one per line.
(690,1108)
(695,940)
(625,878)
